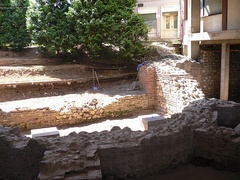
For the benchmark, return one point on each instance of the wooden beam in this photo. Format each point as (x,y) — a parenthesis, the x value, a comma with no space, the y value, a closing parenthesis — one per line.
(224,14)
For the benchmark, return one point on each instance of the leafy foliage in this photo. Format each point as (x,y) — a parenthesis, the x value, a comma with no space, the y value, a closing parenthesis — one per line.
(13,29)
(98,27)
(50,27)
(106,25)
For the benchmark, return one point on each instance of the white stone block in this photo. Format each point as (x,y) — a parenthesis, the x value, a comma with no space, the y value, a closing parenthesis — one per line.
(44,132)
(153,121)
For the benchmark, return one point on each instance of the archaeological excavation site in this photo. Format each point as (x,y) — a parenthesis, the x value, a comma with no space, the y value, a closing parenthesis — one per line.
(175,99)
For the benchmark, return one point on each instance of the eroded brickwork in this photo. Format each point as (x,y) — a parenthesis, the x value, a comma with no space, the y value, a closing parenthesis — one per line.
(211,72)
(234,77)
(174,88)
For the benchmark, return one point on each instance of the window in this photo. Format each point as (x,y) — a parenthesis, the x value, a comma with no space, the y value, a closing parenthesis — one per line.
(150,20)
(175,24)
(167,22)
(211,7)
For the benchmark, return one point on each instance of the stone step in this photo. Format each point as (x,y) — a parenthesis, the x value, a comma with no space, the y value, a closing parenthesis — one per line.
(151,121)
(27,61)
(45,132)
(17,90)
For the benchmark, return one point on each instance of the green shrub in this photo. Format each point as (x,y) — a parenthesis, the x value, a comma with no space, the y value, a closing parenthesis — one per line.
(100,28)
(13,29)
(50,27)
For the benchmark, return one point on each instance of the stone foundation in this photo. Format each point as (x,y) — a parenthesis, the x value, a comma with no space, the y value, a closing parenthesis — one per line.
(69,112)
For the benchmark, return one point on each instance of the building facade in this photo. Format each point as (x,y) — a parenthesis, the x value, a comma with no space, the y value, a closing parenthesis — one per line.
(163,18)
(214,25)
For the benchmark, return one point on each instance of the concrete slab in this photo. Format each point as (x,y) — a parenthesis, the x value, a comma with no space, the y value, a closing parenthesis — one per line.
(45,132)
(147,116)
(153,121)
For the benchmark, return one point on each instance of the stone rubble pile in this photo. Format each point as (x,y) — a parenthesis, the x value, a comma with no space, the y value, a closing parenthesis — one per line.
(202,114)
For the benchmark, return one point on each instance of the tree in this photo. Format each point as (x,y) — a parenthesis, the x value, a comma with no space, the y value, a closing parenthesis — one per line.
(13,30)
(109,26)
(98,27)
(50,28)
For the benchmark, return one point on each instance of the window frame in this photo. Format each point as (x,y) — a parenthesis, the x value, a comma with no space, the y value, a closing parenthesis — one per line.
(215,12)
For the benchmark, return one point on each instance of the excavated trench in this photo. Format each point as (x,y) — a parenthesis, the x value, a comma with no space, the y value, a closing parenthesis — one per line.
(190,134)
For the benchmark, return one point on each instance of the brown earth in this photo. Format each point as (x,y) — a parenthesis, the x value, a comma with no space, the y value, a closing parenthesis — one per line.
(23,78)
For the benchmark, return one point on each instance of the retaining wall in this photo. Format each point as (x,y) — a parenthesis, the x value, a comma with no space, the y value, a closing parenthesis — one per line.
(68,113)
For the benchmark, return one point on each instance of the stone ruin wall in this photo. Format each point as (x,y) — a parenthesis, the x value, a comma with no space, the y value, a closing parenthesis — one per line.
(171,87)
(122,153)
(234,85)
(26,119)
(202,75)
(210,60)
(211,72)
(214,144)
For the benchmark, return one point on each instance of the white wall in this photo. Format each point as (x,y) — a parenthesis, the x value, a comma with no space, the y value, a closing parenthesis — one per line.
(233,14)
(158,7)
(212,23)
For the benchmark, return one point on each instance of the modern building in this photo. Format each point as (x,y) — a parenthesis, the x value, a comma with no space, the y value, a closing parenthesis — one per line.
(163,18)
(212,33)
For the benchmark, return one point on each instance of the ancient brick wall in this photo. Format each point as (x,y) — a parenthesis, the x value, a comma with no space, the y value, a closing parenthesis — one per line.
(234,77)
(19,156)
(207,70)
(154,154)
(193,68)
(46,117)
(148,81)
(212,145)
(210,60)
(172,88)
(211,72)
(176,89)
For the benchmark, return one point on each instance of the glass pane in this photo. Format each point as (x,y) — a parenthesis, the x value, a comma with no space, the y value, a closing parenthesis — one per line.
(150,20)
(212,7)
(175,21)
(167,22)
